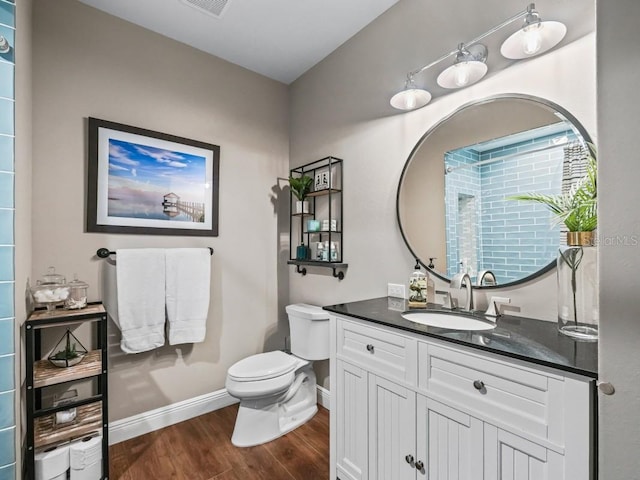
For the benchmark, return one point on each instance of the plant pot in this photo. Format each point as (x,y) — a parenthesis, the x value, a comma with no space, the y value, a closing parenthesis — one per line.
(302,206)
(578,312)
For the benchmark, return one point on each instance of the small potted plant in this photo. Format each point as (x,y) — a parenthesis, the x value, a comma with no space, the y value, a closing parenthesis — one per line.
(68,354)
(301,187)
(577,288)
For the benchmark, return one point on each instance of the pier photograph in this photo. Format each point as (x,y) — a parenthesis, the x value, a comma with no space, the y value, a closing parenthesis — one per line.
(141,181)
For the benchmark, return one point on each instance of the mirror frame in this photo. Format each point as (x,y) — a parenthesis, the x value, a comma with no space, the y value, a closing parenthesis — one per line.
(518,96)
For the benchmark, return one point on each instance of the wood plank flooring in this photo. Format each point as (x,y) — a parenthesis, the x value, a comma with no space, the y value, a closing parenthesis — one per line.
(201,449)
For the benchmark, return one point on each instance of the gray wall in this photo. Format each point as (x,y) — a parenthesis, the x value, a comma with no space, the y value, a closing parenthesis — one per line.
(87,63)
(339,108)
(619,230)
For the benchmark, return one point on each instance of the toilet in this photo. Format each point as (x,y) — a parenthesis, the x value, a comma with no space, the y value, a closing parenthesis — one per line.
(277,390)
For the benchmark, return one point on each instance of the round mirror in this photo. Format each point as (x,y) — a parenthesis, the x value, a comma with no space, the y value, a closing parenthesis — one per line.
(455,202)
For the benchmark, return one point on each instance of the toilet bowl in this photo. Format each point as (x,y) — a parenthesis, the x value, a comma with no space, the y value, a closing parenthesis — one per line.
(277,390)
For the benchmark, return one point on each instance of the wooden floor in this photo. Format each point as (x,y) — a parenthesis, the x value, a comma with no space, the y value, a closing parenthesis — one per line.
(201,449)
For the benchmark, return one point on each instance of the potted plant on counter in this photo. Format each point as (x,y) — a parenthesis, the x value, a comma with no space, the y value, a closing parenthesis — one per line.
(577,209)
(301,187)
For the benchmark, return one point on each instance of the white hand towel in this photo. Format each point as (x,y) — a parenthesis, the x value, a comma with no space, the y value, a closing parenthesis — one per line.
(141,285)
(187,293)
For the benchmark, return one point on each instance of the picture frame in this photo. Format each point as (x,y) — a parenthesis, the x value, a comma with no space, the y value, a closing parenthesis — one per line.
(321,181)
(145,182)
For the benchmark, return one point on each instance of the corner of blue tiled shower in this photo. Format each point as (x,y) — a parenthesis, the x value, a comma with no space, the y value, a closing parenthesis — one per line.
(7,274)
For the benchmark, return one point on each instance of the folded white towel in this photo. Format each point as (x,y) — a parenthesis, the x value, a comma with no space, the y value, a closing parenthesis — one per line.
(141,289)
(187,293)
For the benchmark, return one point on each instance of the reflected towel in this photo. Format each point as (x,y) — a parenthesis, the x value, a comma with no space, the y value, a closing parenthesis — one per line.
(141,286)
(187,293)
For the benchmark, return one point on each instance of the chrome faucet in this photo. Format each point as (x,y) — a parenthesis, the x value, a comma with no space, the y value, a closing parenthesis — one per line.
(487,275)
(460,280)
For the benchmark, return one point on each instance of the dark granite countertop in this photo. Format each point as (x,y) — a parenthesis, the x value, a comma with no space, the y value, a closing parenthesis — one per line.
(527,339)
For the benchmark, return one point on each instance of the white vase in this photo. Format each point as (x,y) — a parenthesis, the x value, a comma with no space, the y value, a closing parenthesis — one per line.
(302,206)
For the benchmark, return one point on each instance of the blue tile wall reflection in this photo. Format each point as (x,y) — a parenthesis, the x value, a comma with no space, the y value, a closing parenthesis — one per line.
(7,412)
(6,227)
(7,446)
(6,153)
(6,264)
(6,336)
(8,472)
(6,190)
(6,374)
(7,14)
(6,117)
(6,80)
(6,302)
(7,214)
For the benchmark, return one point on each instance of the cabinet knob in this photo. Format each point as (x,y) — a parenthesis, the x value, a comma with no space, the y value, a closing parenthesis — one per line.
(370,348)
(478,384)
(409,459)
(419,465)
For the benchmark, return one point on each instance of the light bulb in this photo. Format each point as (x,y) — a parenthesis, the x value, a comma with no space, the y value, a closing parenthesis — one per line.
(461,75)
(532,39)
(410,101)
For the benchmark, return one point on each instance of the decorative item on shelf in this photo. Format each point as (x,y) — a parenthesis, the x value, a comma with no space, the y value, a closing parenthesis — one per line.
(330,251)
(301,187)
(68,354)
(313,225)
(321,180)
(302,252)
(330,225)
(578,312)
(417,288)
(51,291)
(65,417)
(77,294)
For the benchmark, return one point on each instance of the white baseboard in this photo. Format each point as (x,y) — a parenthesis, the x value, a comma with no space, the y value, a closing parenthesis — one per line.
(147,422)
(324,397)
(162,417)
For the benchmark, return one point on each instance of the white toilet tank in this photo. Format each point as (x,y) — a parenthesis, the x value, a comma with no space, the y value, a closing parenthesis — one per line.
(309,326)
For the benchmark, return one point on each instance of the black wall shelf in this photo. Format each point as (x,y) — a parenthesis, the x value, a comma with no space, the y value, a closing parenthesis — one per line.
(324,245)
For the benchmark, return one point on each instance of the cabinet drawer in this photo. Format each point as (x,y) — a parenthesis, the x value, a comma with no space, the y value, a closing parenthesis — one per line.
(390,354)
(520,397)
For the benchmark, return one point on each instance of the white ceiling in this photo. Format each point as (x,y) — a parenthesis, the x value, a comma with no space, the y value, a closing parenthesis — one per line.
(280,39)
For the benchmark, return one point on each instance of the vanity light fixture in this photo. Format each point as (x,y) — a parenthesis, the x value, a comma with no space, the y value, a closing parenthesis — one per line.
(534,38)
(411,97)
(469,67)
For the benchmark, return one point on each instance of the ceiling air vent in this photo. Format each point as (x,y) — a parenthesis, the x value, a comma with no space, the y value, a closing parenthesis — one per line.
(211,7)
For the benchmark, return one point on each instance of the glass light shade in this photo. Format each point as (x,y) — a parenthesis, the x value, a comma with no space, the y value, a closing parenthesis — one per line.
(462,74)
(533,40)
(410,99)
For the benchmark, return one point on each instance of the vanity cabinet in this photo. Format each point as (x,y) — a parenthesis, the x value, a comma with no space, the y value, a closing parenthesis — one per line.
(405,406)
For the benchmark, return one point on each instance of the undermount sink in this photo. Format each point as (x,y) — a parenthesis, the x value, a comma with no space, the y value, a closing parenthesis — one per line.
(450,321)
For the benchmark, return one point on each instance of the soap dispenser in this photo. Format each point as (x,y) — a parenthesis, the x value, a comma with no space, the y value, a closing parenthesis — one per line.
(431,289)
(417,288)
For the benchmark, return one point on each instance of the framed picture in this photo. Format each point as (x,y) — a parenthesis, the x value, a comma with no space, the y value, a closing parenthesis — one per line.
(151,183)
(321,180)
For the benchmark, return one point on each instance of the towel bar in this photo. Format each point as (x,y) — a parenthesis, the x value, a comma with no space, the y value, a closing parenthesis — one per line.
(105,252)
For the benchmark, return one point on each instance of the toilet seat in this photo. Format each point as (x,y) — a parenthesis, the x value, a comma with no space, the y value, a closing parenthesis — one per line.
(263,366)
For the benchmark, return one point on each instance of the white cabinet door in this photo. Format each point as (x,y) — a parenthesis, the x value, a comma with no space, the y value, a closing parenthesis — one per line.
(391,431)
(510,457)
(351,425)
(449,442)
